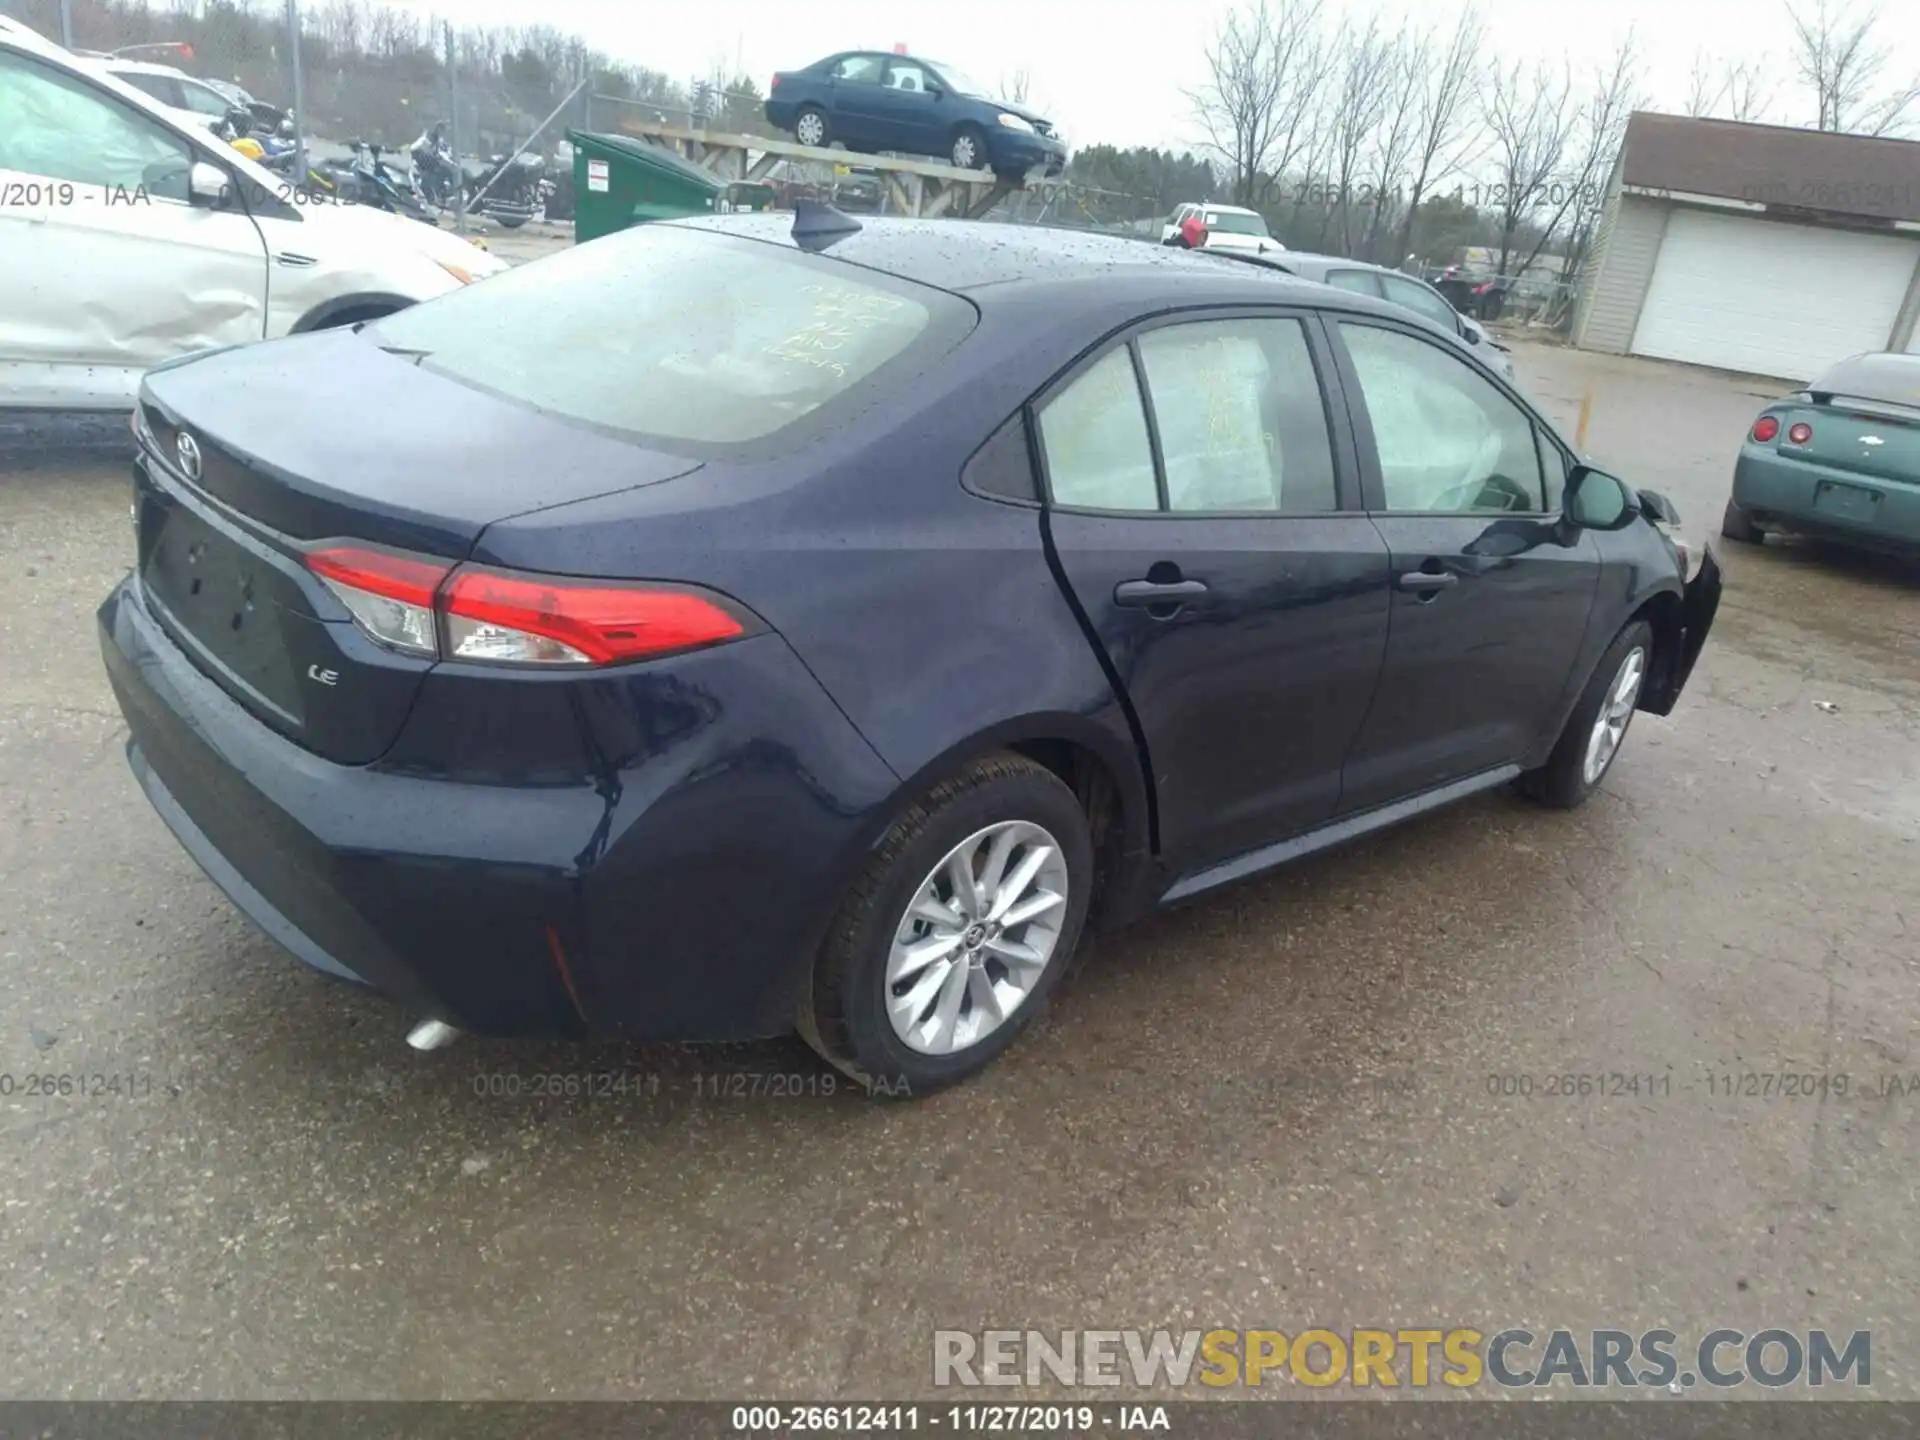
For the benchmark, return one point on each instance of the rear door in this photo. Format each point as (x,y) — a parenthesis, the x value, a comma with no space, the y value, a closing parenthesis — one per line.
(110,269)
(857,99)
(1490,596)
(1204,513)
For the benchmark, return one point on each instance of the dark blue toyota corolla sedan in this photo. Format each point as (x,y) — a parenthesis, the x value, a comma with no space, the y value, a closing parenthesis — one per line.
(718,630)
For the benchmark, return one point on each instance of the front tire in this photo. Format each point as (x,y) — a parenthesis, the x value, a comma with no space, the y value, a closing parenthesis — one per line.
(1737,525)
(969,148)
(810,127)
(1596,729)
(964,921)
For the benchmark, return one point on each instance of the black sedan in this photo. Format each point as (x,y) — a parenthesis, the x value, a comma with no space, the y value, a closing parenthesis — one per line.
(716,630)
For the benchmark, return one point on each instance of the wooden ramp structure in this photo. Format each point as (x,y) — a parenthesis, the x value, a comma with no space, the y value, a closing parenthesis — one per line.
(922,188)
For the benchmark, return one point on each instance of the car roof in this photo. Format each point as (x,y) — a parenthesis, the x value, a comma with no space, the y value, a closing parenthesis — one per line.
(996,265)
(146,67)
(1224,209)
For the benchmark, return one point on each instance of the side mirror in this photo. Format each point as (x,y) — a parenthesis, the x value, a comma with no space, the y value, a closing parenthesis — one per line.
(208,185)
(1470,335)
(1596,500)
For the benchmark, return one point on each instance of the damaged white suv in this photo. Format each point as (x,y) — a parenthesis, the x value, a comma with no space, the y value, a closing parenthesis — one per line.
(128,239)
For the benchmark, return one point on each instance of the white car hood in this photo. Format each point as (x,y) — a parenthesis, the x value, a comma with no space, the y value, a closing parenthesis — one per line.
(362,226)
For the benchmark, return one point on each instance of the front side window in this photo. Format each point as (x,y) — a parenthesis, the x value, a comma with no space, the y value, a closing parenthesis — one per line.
(205,99)
(1242,423)
(1422,301)
(1448,441)
(859,70)
(672,333)
(1094,436)
(60,127)
(902,75)
(1360,282)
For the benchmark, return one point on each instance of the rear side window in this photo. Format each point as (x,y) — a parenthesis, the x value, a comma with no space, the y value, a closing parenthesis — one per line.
(674,334)
(1241,419)
(1237,410)
(1094,434)
(859,69)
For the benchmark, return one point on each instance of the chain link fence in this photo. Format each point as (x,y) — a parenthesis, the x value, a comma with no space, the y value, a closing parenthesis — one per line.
(352,71)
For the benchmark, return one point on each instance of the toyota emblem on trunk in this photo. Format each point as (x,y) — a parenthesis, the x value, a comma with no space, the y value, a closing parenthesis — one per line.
(188,450)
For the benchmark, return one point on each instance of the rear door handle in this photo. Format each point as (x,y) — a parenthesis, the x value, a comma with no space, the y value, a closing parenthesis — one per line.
(1157,592)
(1424,582)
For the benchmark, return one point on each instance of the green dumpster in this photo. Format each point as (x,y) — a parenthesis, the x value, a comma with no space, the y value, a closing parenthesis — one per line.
(619,182)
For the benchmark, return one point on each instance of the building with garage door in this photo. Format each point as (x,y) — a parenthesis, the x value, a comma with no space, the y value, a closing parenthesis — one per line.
(1754,247)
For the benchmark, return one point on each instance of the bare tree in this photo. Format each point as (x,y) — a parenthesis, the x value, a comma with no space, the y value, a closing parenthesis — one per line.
(1261,67)
(1402,88)
(1445,107)
(1363,58)
(1839,59)
(1014,87)
(1732,90)
(1613,94)
(1530,120)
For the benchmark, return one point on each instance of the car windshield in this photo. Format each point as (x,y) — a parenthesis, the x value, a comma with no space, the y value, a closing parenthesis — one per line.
(959,82)
(668,332)
(1230,223)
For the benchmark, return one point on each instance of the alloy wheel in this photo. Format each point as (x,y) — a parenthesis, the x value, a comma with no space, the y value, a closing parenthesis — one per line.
(976,938)
(1610,725)
(966,154)
(811,129)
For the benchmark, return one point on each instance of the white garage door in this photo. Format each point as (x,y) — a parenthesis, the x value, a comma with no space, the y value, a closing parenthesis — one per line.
(1771,299)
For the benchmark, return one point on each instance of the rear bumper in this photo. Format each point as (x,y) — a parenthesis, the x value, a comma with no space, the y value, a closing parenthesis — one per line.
(676,890)
(1801,495)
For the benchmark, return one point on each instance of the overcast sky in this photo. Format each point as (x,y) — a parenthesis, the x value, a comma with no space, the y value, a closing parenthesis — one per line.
(1119,71)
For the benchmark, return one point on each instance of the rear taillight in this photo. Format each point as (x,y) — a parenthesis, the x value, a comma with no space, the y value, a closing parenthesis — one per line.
(1765,428)
(390,595)
(1800,433)
(428,608)
(775,85)
(537,620)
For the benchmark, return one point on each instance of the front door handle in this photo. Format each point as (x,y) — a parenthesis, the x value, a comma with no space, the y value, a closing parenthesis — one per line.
(1158,592)
(1425,582)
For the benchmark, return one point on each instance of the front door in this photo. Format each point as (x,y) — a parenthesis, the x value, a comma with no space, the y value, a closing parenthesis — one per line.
(1491,594)
(110,268)
(1204,513)
(914,114)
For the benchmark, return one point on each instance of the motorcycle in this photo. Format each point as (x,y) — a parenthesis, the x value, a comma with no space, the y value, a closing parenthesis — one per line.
(369,180)
(509,189)
(436,172)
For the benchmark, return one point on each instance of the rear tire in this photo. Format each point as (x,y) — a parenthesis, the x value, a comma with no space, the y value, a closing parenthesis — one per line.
(1583,755)
(810,127)
(1737,525)
(918,987)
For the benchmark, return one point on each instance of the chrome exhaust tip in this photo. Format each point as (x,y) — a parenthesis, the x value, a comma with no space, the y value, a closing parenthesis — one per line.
(431,1035)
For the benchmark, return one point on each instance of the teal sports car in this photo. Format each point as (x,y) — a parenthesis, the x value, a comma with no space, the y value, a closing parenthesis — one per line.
(1839,459)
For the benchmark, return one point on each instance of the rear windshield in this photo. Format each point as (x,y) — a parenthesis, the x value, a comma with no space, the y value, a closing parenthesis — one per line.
(671,333)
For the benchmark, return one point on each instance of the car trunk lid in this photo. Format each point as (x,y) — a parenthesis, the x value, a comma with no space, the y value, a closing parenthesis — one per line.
(239,482)
(1871,438)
